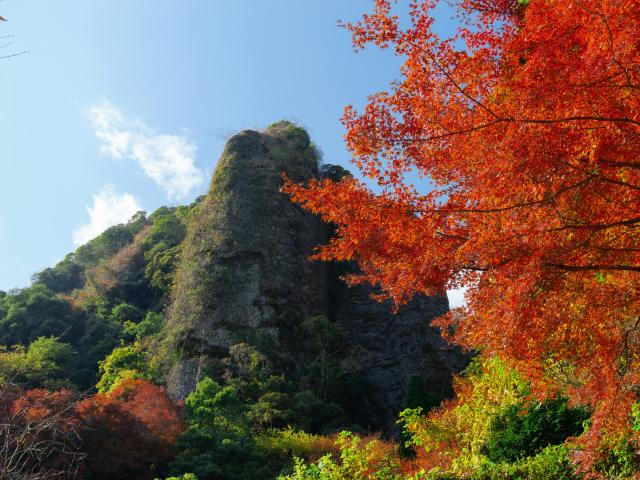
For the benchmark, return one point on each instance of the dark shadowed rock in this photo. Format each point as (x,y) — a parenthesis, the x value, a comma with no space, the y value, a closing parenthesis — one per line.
(400,346)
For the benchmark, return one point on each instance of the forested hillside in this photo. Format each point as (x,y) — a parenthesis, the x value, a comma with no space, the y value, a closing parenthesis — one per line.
(109,291)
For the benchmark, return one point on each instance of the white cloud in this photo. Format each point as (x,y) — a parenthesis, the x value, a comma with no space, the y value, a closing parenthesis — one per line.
(109,208)
(169,160)
(456,297)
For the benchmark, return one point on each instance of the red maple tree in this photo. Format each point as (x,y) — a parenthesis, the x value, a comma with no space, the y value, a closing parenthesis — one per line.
(128,432)
(527,122)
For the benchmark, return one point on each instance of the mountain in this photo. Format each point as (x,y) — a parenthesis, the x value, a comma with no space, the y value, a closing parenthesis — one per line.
(217,287)
(245,277)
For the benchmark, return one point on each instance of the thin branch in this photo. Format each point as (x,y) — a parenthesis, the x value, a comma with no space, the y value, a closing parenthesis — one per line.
(586,268)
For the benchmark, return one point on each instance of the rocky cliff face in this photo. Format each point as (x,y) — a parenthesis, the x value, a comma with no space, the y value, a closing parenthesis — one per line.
(244,276)
(399,346)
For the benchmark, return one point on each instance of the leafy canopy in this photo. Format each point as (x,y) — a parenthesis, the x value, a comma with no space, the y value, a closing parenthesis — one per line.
(526,122)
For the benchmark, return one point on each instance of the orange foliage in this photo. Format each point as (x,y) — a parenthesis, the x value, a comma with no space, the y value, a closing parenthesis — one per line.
(149,404)
(129,430)
(527,122)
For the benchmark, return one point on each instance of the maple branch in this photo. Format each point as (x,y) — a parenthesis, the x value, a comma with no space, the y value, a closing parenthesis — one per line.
(540,121)
(578,118)
(453,237)
(453,82)
(620,164)
(597,83)
(620,250)
(584,268)
(547,199)
(449,134)
(600,226)
(603,18)
(602,178)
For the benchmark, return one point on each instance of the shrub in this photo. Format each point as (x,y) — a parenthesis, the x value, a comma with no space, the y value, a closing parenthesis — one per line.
(453,435)
(551,463)
(39,434)
(365,460)
(122,363)
(217,444)
(517,432)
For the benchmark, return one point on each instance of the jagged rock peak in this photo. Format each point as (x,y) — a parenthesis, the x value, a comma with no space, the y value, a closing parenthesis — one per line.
(244,270)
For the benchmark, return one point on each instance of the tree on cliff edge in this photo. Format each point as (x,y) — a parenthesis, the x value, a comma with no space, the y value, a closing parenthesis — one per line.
(528,123)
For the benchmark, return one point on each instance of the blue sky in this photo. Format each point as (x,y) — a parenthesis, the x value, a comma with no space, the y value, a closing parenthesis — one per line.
(123,104)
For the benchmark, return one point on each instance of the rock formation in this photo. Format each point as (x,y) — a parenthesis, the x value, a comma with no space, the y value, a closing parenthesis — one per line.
(245,275)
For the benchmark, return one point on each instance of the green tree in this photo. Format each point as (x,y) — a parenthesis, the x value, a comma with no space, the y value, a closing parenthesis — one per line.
(151,325)
(125,312)
(217,444)
(122,363)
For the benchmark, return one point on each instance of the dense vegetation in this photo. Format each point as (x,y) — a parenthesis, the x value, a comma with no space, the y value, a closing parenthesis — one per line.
(91,323)
(82,359)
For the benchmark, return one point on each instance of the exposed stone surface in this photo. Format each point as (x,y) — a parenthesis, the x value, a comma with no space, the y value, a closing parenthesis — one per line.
(245,274)
(244,269)
(399,346)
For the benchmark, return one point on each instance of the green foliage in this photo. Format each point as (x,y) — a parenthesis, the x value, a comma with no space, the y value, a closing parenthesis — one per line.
(113,286)
(620,460)
(36,312)
(518,432)
(149,327)
(47,362)
(327,374)
(488,387)
(66,276)
(98,339)
(551,463)
(161,266)
(125,312)
(186,476)
(233,428)
(167,228)
(162,248)
(290,131)
(109,242)
(332,372)
(122,363)
(418,396)
(289,442)
(218,443)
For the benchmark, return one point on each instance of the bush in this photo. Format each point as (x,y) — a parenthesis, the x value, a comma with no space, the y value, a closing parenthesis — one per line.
(186,476)
(286,443)
(551,463)
(122,363)
(370,460)
(129,431)
(517,432)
